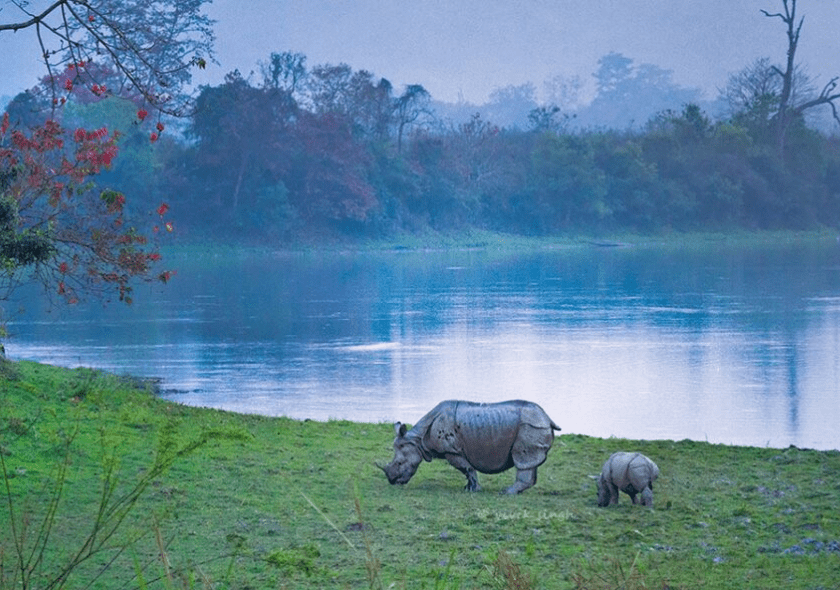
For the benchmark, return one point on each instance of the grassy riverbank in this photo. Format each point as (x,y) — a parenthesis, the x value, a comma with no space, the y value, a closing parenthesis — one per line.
(490,240)
(479,239)
(254,502)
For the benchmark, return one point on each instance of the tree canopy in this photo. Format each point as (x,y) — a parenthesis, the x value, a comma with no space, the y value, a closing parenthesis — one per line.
(303,152)
(338,152)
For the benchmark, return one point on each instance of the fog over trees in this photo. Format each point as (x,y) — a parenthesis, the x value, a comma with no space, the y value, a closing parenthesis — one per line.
(626,96)
(299,151)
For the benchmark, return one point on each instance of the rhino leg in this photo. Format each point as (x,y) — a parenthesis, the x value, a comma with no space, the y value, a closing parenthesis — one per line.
(613,492)
(631,491)
(525,478)
(462,465)
(531,446)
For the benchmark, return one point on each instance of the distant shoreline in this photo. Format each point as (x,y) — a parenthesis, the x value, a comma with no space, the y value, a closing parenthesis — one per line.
(499,241)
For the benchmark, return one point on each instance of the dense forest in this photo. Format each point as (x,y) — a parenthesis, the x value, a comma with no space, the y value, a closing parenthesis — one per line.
(302,153)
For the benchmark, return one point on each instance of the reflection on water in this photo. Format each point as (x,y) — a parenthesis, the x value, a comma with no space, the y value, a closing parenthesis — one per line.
(732,346)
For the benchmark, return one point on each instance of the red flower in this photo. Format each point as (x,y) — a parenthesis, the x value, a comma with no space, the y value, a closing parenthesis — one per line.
(68,84)
(162,209)
(91,18)
(169,226)
(154,256)
(160,126)
(153,137)
(141,114)
(62,268)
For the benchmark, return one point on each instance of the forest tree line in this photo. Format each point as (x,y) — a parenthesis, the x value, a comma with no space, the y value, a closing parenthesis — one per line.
(300,153)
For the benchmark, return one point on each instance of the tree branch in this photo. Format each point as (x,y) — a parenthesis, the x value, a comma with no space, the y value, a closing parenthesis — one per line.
(771,15)
(829,87)
(825,97)
(153,60)
(35,20)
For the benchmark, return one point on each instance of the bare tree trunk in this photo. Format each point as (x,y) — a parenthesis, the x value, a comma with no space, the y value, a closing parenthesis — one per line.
(789,111)
(782,117)
(243,164)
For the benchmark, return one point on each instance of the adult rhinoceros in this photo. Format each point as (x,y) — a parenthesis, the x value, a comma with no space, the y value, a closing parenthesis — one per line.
(489,438)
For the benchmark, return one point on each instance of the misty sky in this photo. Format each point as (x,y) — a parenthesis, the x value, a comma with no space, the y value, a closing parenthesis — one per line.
(466,48)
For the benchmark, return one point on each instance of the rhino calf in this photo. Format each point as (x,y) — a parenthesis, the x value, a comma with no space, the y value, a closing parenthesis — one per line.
(489,438)
(632,473)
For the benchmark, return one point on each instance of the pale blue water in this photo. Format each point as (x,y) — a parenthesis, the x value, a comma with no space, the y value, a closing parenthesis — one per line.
(737,346)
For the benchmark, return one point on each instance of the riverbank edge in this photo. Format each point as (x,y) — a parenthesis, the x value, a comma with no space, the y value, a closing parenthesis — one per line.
(298,501)
(475,239)
(151,386)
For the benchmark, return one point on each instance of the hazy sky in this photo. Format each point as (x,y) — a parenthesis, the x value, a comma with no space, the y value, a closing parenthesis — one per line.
(467,48)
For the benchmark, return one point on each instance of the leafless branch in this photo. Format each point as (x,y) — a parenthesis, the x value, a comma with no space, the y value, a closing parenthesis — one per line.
(34,21)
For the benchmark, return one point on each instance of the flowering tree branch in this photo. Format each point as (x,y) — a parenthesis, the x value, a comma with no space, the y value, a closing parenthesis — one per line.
(55,223)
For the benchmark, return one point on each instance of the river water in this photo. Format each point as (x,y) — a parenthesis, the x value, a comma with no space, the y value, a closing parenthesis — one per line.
(730,345)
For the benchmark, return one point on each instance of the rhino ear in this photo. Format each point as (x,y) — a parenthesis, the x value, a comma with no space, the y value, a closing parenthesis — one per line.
(400,428)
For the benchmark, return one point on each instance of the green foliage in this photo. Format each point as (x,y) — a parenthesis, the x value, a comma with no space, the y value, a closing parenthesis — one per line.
(25,249)
(295,560)
(567,188)
(20,248)
(55,525)
(311,154)
(681,172)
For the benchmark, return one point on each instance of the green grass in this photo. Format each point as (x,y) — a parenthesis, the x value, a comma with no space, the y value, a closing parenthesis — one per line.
(502,242)
(279,503)
(493,241)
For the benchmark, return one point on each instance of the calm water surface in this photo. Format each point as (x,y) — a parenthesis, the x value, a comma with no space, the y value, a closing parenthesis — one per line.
(731,345)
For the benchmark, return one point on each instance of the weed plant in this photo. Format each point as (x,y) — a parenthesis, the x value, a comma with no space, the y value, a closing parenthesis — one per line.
(157,495)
